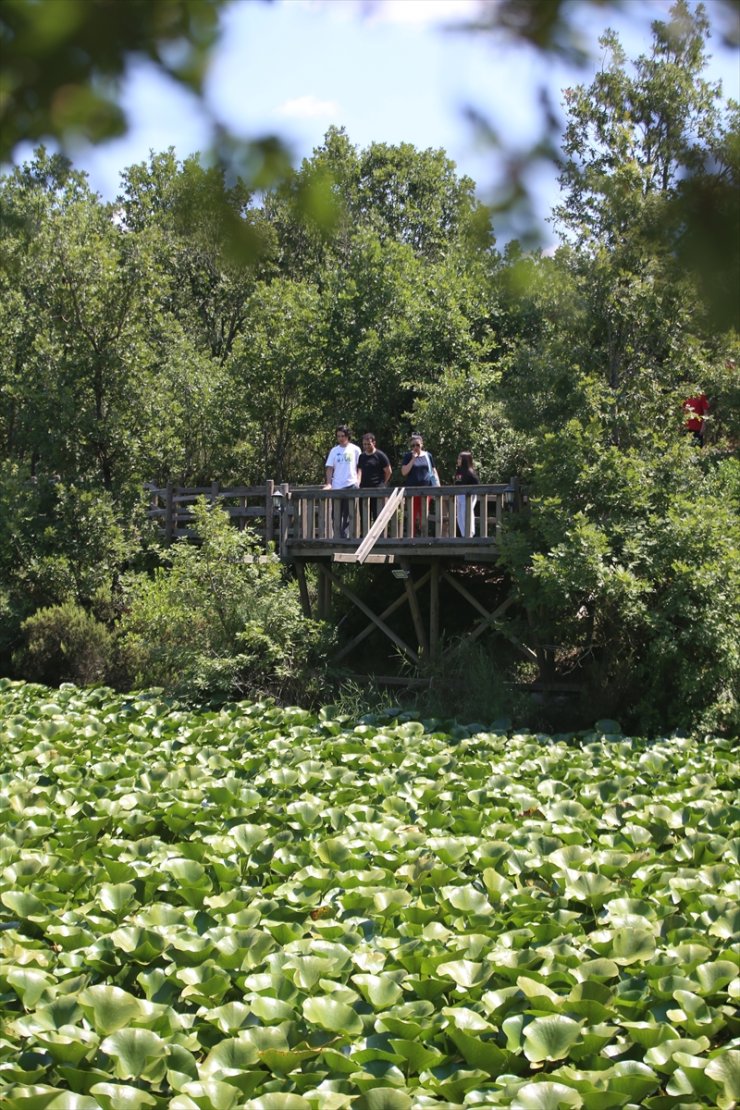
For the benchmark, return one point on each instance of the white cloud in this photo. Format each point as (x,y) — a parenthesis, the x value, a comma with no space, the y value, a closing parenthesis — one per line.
(308,107)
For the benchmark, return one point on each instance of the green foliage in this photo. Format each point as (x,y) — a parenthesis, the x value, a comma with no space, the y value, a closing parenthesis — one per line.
(260,907)
(58,544)
(633,574)
(64,643)
(468,683)
(217,325)
(63,60)
(219,623)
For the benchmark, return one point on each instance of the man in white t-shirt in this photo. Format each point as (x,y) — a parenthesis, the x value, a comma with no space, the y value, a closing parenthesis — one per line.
(342,473)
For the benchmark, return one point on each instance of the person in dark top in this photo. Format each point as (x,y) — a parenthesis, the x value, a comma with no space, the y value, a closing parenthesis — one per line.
(417,467)
(374,469)
(465,475)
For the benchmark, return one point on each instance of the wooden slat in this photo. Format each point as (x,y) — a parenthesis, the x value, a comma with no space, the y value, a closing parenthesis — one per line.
(378,527)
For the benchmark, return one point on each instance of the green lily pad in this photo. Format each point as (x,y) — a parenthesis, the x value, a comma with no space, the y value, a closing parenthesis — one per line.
(550,1038)
(336,1017)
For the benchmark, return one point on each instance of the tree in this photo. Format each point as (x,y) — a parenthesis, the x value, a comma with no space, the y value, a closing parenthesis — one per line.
(624,580)
(193,219)
(650,161)
(80,362)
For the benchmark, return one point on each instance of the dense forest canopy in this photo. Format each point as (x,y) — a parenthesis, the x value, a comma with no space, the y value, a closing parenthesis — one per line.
(367,287)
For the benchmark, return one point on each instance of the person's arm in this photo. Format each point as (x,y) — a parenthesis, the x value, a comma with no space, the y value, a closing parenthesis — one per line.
(328,471)
(408,462)
(387,471)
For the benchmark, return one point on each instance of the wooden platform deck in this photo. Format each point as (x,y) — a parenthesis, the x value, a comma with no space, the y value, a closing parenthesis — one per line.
(422,535)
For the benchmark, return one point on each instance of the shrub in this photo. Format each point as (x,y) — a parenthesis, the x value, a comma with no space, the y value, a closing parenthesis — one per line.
(64,643)
(217,623)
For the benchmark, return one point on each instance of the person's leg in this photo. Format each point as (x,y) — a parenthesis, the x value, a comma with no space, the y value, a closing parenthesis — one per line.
(415,515)
(460,513)
(344,518)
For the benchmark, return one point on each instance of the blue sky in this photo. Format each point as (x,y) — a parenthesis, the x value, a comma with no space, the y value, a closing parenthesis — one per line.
(386,70)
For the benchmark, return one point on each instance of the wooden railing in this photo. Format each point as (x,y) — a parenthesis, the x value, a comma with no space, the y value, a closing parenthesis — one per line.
(302,520)
(259,506)
(423,516)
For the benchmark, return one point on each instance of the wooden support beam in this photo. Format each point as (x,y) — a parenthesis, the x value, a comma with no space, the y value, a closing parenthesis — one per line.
(324,593)
(300,572)
(401,600)
(490,620)
(369,613)
(416,617)
(434,612)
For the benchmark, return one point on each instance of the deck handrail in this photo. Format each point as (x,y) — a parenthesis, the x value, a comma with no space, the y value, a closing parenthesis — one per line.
(305,518)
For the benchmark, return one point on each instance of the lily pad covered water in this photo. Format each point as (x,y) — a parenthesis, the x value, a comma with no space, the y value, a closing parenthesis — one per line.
(262,907)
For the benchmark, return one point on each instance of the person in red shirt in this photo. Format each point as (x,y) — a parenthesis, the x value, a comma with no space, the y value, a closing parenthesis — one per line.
(696,409)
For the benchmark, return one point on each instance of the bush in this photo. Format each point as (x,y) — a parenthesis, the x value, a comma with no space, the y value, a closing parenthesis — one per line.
(63,643)
(217,623)
(59,544)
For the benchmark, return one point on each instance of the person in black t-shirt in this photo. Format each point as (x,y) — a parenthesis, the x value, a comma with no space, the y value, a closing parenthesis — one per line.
(374,469)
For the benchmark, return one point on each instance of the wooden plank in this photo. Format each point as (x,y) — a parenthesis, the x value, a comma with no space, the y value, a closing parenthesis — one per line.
(378,527)
(351,557)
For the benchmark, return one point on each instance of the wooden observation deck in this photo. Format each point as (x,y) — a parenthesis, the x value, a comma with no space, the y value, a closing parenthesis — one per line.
(414,531)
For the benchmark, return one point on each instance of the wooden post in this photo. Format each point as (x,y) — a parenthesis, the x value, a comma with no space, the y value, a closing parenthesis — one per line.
(324,593)
(413,601)
(269,510)
(169,513)
(300,571)
(434,611)
(284,519)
